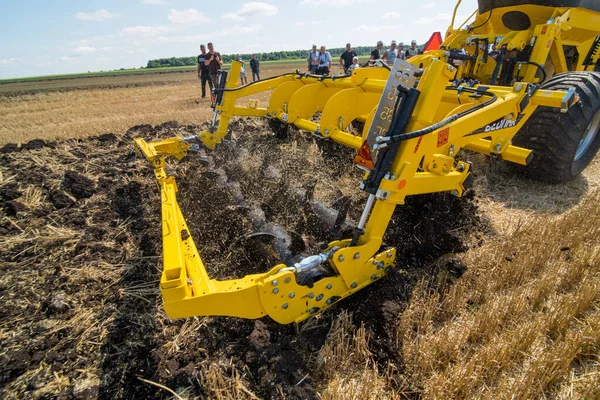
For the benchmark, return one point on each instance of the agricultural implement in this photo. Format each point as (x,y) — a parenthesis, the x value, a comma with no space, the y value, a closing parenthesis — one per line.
(519,83)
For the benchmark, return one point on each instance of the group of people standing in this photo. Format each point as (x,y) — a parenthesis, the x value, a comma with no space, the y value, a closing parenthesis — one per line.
(396,50)
(319,61)
(209,64)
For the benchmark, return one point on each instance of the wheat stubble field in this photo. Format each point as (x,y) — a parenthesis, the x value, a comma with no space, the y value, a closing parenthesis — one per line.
(497,294)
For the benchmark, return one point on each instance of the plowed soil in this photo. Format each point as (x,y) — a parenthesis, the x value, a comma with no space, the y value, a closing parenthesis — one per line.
(80,263)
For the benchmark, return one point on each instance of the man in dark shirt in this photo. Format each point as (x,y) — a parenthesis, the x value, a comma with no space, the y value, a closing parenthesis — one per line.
(203,71)
(375,53)
(255,67)
(412,50)
(213,62)
(346,57)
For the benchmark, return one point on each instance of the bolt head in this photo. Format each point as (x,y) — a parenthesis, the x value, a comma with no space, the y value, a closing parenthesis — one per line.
(275,291)
(354,285)
(374,277)
(329,301)
(329,286)
(498,147)
(356,256)
(454,193)
(311,295)
(319,297)
(189,282)
(292,295)
(274,283)
(287,280)
(380,265)
(341,257)
(284,306)
(389,255)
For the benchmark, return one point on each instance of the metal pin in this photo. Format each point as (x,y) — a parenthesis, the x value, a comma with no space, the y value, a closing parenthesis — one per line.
(285,306)
(274,283)
(292,295)
(275,291)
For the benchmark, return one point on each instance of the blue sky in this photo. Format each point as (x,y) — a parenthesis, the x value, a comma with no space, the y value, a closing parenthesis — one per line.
(52,37)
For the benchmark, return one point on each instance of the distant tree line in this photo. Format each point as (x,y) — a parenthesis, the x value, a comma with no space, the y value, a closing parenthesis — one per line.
(270,56)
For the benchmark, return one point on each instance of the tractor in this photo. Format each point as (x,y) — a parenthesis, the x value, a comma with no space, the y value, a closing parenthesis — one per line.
(520,83)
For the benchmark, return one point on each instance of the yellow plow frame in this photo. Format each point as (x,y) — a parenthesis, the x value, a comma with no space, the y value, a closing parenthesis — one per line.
(439,121)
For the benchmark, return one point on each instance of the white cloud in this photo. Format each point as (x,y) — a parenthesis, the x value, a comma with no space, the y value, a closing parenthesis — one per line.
(143,31)
(234,31)
(252,9)
(70,60)
(107,49)
(443,17)
(6,61)
(316,3)
(98,15)
(154,2)
(304,23)
(232,17)
(188,17)
(377,28)
(429,5)
(84,50)
(391,15)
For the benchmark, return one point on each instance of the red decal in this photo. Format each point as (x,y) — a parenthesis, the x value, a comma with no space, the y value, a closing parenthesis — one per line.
(443,137)
(544,28)
(418,144)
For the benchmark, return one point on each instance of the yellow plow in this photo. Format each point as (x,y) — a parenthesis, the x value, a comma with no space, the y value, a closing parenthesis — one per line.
(418,116)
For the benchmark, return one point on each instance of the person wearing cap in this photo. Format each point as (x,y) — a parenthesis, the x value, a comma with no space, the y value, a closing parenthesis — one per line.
(390,54)
(354,65)
(375,53)
(203,71)
(347,57)
(313,60)
(324,62)
(401,52)
(412,50)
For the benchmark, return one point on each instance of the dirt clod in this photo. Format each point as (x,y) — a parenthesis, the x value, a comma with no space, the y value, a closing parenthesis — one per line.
(60,199)
(260,336)
(10,191)
(34,144)
(81,187)
(9,148)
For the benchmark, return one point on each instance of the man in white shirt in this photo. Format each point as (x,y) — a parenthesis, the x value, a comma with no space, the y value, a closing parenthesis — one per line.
(324,62)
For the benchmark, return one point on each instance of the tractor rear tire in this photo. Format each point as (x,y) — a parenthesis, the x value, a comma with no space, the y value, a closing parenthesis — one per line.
(563,144)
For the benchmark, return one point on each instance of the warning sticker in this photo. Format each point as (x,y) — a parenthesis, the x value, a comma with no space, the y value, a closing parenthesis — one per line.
(443,137)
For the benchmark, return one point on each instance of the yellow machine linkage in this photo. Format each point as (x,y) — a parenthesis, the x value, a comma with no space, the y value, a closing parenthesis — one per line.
(418,116)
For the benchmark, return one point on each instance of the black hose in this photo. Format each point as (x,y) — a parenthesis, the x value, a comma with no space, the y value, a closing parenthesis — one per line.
(540,67)
(452,118)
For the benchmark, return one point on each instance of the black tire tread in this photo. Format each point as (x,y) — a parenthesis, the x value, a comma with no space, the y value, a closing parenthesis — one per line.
(554,136)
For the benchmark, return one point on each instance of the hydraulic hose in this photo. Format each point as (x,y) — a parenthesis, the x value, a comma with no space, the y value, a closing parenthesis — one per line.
(540,68)
(442,123)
